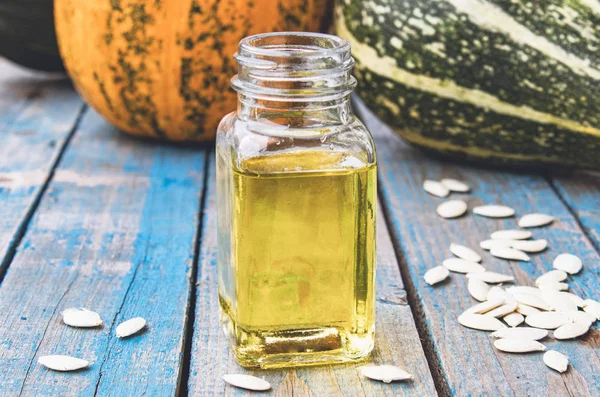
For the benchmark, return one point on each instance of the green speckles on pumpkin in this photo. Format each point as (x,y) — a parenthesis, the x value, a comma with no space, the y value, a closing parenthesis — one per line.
(103,92)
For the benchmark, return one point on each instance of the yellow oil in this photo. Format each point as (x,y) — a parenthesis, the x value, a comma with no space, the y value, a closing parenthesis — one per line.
(297,287)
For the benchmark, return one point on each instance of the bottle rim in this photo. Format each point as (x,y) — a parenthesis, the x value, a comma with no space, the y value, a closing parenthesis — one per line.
(294,66)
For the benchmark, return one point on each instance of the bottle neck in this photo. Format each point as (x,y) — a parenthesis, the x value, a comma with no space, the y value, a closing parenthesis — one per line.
(297,79)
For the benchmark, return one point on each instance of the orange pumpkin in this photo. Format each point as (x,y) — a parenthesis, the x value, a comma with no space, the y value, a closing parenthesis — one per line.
(161,68)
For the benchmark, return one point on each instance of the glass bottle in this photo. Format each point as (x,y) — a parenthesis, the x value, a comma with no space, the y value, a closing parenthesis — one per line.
(296,190)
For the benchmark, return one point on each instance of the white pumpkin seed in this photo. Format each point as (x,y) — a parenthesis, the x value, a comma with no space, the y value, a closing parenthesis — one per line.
(247,382)
(581,317)
(530,245)
(511,345)
(452,209)
(486,306)
(462,266)
(554,286)
(576,299)
(571,330)
(509,253)
(531,300)
(491,277)
(435,188)
(552,276)
(385,373)
(81,318)
(510,235)
(521,333)
(455,185)
(555,360)
(130,327)
(513,319)
(63,363)
(480,322)
(535,220)
(478,289)
(567,262)
(558,302)
(494,211)
(527,310)
(496,293)
(592,307)
(547,320)
(525,289)
(489,244)
(436,275)
(465,253)
(503,310)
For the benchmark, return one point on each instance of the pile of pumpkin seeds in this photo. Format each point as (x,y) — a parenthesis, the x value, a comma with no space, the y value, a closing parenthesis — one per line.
(547,306)
(84,318)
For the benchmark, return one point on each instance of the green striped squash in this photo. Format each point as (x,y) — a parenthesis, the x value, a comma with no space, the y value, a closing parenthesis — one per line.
(502,81)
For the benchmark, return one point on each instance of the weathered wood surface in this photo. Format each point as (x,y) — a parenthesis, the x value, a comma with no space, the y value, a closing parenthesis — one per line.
(116,233)
(465,358)
(37,115)
(581,193)
(397,341)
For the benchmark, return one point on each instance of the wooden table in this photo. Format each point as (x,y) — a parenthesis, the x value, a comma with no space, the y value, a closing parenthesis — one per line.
(92,218)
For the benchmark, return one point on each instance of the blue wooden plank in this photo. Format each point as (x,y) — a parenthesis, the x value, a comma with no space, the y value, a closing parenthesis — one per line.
(465,358)
(581,192)
(33,132)
(397,341)
(115,233)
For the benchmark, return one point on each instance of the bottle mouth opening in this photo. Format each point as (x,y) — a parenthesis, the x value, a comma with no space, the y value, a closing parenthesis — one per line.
(294,65)
(291,44)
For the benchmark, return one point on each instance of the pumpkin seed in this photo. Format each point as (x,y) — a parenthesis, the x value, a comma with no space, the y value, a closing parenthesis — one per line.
(478,289)
(555,360)
(385,373)
(521,333)
(547,320)
(551,276)
(558,302)
(436,188)
(436,275)
(480,322)
(455,185)
(130,327)
(496,293)
(581,317)
(462,266)
(527,310)
(592,307)
(510,235)
(509,253)
(531,300)
(567,262)
(571,330)
(247,382)
(465,253)
(513,319)
(554,286)
(525,289)
(489,244)
(452,209)
(535,220)
(513,345)
(491,277)
(494,211)
(486,306)
(63,363)
(530,245)
(81,318)
(576,299)
(503,310)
